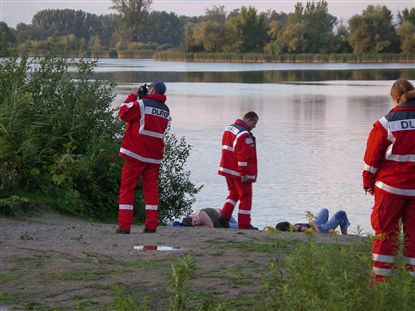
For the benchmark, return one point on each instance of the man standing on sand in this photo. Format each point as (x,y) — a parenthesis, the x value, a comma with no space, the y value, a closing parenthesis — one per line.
(142,147)
(239,166)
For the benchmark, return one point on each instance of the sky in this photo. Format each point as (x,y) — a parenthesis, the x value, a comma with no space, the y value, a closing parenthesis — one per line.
(21,11)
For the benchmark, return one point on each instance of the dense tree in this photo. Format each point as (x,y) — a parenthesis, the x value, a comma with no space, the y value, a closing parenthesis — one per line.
(406,30)
(163,28)
(340,44)
(65,22)
(190,42)
(131,18)
(210,32)
(7,39)
(276,23)
(246,31)
(309,30)
(373,31)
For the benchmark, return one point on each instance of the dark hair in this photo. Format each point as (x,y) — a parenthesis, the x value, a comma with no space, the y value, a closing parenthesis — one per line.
(251,115)
(187,221)
(283,226)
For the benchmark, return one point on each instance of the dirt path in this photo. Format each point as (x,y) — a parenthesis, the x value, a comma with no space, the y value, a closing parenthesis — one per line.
(58,262)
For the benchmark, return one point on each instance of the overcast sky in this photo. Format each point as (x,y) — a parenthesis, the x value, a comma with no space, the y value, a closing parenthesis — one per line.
(16,11)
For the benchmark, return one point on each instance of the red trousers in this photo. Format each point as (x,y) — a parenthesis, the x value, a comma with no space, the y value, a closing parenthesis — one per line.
(386,213)
(131,173)
(241,192)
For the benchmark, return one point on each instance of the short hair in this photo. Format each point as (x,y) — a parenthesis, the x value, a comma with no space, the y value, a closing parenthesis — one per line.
(158,86)
(251,115)
(283,226)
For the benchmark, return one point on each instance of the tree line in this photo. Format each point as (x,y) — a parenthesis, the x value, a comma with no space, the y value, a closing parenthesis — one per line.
(308,29)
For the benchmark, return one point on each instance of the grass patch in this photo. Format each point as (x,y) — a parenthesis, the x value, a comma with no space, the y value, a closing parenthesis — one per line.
(82,275)
(8,298)
(10,275)
(124,301)
(275,246)
(138,264)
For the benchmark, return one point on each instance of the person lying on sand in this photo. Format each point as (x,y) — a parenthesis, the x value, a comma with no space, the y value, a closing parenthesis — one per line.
(207,217)
(321,223)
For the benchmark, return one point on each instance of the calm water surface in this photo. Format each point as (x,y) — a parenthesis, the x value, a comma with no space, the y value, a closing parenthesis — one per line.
(311,136)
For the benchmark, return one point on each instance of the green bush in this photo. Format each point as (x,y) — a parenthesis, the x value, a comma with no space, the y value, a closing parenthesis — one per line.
(59,138)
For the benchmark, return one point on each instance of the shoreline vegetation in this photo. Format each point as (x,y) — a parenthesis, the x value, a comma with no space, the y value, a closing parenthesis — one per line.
(375,58)
(309,33)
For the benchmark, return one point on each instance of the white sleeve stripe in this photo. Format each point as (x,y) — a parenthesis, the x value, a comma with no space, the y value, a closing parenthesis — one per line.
(384,122)
(242,163)
(370,169)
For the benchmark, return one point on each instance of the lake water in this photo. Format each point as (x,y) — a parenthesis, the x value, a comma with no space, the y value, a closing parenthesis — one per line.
(311,136)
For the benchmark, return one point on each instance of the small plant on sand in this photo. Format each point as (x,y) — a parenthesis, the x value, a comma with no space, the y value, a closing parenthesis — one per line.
(178,280)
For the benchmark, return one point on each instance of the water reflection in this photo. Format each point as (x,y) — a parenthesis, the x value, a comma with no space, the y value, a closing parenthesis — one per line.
(259,76)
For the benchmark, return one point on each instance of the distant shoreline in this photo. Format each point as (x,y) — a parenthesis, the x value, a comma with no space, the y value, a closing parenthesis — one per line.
(239,57)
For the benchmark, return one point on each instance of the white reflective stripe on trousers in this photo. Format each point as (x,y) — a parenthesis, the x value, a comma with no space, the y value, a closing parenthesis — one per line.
(225,170)
(242,163)
(245,212)
(138,157)
(152,207)
(380,271)
(230,202)
(409,260)
(126,207)
(370,169)
(383,258)
(399,191)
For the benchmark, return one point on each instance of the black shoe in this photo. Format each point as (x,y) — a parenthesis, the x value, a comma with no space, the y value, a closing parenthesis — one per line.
(122,231)
(147,230)
(223,221)
(251,227)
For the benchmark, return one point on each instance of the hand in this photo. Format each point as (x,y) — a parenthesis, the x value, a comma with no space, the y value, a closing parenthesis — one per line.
(134,91)
(369,190)
(244,178)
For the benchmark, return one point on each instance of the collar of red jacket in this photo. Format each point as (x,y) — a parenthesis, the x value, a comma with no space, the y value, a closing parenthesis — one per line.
(159,97)
(241,122)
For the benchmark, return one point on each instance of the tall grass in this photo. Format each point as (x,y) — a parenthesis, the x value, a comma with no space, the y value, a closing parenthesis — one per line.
(331,277)
(284,58)
(320,277)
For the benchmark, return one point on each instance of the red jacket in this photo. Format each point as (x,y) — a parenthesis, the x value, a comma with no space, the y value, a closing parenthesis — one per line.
(147,120)
(238,152)
(390,152)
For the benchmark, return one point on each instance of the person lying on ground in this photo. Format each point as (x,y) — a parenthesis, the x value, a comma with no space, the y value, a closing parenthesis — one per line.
(208,217)
(321,223)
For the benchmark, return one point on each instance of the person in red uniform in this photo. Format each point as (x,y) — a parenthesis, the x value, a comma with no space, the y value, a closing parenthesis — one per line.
(239,165)
(389,174)
(142,147)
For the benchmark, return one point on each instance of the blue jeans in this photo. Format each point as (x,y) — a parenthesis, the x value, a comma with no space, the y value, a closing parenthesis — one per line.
(325,224)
